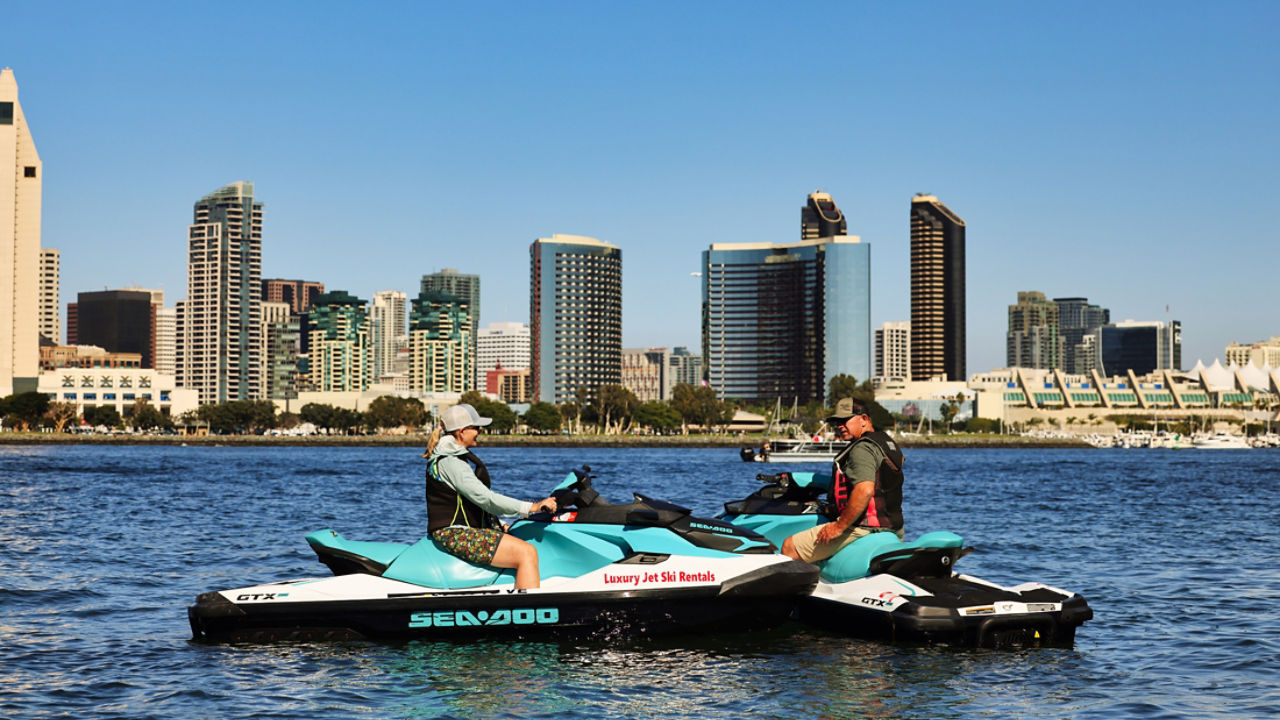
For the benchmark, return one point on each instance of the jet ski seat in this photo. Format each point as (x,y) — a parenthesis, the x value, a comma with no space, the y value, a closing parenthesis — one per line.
(879,549)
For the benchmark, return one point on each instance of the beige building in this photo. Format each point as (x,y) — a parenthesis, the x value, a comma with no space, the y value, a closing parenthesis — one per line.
(21,178)
(50,312)
(1262,354)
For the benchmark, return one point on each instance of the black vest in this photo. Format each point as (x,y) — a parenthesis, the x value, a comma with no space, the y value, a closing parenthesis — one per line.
(884,509)
(445,506)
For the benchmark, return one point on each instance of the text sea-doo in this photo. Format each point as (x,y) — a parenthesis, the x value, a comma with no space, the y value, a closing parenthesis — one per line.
(881,588)
(648,565)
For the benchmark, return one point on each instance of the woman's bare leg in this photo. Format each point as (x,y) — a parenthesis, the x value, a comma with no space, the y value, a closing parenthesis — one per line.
(515,553)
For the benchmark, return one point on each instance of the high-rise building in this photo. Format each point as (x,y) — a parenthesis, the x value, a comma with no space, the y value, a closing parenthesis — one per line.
(440,344)
(166,341)
(1033,339)
(280,333)
(50,307)
(390,315)
(1140,347)
(467,288)
(21,175)
(219,350)
(821,218)
(893,350)
(937,291)
(647,373)
(340,358)
(505,343)
(685,368)
(299,294)
(575,321)
(118,321)
(1078,323)
(779,321)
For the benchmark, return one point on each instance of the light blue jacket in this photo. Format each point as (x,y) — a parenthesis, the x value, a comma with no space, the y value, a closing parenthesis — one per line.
(456,472)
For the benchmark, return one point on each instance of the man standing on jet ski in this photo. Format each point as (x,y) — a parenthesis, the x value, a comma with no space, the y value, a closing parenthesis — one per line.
(462,510)
(866,487)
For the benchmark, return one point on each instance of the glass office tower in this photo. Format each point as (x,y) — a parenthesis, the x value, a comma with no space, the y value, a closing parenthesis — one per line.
(780,320)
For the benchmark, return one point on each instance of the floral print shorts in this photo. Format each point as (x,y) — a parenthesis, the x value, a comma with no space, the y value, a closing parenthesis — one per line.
(474,545)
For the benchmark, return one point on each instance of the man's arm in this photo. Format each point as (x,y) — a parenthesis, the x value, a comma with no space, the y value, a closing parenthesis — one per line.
(858,499)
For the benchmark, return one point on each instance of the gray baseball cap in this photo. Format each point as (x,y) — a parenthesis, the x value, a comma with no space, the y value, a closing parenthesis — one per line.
(460,416)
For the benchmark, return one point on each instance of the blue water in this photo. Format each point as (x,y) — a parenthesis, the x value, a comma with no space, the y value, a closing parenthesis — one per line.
(102,548)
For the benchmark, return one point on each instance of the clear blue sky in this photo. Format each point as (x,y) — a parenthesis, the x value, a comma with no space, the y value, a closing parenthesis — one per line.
(1124,152)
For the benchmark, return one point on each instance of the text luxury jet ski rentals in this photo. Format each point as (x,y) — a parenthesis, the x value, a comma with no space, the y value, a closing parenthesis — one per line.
(649,566)
(879,587)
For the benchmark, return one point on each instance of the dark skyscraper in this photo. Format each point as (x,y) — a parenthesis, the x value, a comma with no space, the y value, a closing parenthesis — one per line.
(821,218)
(937,291)
(1079,323)
(118,321)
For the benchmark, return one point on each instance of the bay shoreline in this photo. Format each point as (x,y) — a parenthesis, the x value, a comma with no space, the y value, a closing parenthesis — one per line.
(955,441)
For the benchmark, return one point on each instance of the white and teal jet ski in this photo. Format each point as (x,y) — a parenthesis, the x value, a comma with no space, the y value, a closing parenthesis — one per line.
(647,567)
(881,588)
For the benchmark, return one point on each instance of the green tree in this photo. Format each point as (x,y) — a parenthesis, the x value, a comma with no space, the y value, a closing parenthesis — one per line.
(700,406)
(389,411)
(105,416)
(59,415)
(658,416)
(145,416)
(843,386)
(24,410)
(543,417)
(615,404)
(504,418)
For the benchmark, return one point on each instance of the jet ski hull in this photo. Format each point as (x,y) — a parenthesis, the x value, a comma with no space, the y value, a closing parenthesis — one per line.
(299,610)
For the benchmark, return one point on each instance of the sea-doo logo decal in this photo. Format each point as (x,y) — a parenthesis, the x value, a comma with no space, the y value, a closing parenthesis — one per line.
(712,528)
(466,618)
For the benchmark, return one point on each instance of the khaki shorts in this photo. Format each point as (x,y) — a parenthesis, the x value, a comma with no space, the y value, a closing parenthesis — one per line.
(809,550)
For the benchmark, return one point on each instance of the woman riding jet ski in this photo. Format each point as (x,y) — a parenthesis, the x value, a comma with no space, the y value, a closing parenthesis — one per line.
(879,587)
(648,565)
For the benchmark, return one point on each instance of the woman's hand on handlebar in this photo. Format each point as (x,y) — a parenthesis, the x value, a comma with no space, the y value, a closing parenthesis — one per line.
(547,505)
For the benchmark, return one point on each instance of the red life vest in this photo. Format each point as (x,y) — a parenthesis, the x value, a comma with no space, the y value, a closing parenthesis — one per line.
(884,509)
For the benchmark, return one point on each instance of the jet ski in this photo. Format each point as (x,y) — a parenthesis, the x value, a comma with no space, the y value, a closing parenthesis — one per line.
(645,567)
(881,588)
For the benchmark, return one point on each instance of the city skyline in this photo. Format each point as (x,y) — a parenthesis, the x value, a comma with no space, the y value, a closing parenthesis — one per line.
(663,138)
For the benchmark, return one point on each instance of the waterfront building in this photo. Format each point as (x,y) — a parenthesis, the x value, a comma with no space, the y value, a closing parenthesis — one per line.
(440,358)
(219,350)
(119,321)
(1078,324)
(340,359)
(21,178)
(647,373)
(893,350)
(1033,340)
(50,306)
(299,294)
(575,316)
(102,381)
(53,357)
(464,286)
(166,340)
(779,321)
(937,291)
(280,340)
(821,218)
(1140,347)
(1262,354)
(512,386)
(390,315)
(684,367)
(505,343)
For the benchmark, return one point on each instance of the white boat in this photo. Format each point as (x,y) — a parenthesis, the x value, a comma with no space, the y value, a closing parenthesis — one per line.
(794,450)
(1219,441)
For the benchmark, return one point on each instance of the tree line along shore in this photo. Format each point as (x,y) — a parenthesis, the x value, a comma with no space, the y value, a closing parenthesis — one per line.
(908,441)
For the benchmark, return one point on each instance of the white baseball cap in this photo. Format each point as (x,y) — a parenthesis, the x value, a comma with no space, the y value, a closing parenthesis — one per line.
(460,416)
